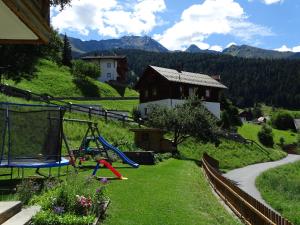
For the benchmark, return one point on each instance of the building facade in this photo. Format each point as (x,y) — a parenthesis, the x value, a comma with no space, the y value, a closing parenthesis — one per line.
(162,86)
(113,68)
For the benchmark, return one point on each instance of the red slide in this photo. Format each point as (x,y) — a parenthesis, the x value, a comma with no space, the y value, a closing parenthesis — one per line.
(107,165)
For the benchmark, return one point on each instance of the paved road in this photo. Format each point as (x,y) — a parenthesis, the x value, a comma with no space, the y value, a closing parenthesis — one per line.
(245,177)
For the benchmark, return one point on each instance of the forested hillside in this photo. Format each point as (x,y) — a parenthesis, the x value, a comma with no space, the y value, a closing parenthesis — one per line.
(274,82)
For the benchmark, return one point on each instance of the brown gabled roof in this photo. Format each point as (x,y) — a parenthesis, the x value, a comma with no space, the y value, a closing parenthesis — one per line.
(187,77)
(104,57)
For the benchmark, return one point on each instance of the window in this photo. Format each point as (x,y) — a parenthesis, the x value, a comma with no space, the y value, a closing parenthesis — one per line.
(108,75)
(191,91)
(146,94)
(207,93)
(154,91)
(108,65)
(146,111)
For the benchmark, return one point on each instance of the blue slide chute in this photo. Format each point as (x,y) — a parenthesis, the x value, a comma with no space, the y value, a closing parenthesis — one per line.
(118,152)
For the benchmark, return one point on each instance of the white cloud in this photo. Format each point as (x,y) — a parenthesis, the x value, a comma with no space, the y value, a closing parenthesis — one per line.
(111,18)
(217,48)
(284,48)
(200,21)
(269,2)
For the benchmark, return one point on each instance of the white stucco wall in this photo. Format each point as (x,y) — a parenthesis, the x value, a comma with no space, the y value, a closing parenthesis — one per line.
(105,70)
(213,107)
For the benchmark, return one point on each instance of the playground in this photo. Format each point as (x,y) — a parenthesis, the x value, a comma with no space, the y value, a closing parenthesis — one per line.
(153,183)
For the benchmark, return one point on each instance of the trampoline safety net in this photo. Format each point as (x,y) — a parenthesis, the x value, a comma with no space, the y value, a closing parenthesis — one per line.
(30,133)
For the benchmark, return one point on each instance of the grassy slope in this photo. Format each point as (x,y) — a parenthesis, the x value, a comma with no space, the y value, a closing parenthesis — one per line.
(58,81)
(267,110)
(280,187)
(126,105)
(250,131)
(230,154)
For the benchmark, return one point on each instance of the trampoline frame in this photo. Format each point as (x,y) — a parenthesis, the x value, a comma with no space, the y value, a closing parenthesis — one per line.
(43,164)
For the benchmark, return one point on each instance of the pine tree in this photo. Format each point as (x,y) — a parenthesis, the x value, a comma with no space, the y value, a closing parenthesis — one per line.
(67,52)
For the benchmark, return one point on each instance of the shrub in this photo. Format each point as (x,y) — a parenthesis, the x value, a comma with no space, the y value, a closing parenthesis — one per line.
(81,70)
(49,218)
(27,189)
(265,136)
(283,121)
(160,157)
(75,201)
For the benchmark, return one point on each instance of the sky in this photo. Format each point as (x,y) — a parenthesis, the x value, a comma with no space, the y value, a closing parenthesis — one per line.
(176,24)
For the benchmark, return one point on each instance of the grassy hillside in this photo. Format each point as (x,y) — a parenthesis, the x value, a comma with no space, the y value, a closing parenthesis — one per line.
(230,154)
(280,187)
(250,131)
(58,81)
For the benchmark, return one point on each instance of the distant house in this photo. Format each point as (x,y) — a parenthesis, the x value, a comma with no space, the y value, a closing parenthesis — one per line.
(297,124)
(113,68)
(246,115)
(24,21)
(170,87)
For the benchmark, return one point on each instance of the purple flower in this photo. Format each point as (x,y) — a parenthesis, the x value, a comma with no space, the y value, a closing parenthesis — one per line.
(58,210)
(104,180)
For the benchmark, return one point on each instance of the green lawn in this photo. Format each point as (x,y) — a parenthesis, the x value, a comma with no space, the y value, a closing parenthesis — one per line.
(280,187)
(58,81)
(250,131)
(173,192)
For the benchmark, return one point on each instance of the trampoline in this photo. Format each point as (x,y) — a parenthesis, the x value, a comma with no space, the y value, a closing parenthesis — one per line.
(31,136)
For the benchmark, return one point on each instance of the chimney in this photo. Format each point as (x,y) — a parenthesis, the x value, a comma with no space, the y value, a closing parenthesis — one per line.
(179,67)
(216,77)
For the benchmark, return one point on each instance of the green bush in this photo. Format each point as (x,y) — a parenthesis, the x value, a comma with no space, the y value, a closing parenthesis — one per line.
(49,218)
(74,201)
(265,136)
(82,69)
(282,121)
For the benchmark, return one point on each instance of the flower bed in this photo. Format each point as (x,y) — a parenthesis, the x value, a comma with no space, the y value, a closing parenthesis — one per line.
(76,201)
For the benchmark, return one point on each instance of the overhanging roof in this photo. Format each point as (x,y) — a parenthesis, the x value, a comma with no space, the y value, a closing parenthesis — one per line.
(24,21)
(187,77)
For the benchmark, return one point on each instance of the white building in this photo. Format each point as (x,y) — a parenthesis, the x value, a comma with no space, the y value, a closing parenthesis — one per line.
(113,68)
(168,87)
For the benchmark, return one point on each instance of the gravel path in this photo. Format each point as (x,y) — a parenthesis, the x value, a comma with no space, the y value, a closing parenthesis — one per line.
(245,177)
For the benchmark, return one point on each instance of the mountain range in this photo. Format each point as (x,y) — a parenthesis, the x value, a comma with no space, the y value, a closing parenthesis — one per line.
(148,44)
(127,42)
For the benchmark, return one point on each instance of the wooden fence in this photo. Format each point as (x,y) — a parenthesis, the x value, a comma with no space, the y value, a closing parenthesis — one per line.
(246,207)
(88,110)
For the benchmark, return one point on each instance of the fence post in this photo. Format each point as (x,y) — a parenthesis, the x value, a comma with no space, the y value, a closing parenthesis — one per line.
(70,106)
(105,115)
(123,119)
(90,112)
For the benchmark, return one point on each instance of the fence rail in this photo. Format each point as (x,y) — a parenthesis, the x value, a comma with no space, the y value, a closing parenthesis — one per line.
(250,210)
(90,111)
